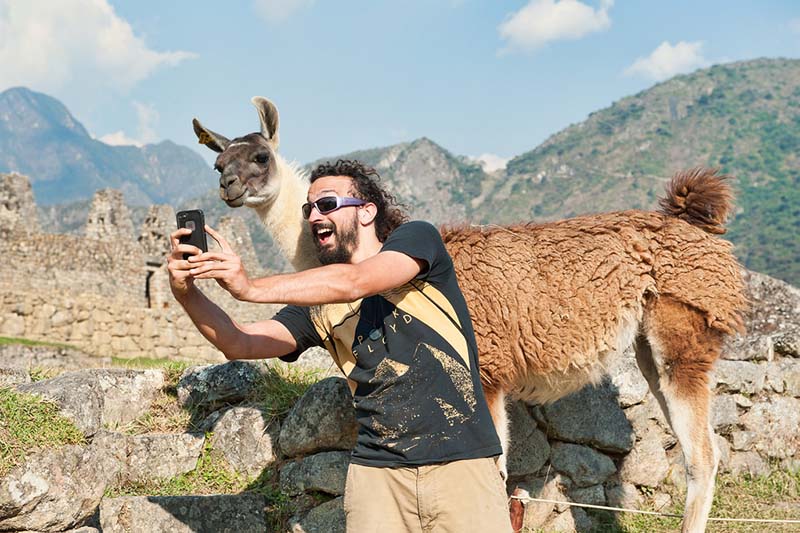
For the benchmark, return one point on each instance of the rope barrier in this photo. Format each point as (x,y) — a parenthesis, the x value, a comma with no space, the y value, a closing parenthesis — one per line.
(655,513)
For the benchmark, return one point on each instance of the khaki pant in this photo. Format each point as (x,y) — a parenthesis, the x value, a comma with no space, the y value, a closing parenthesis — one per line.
(458,497)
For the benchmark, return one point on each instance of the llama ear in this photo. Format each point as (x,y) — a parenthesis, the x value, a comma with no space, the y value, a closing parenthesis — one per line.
(215,141)
(268,115)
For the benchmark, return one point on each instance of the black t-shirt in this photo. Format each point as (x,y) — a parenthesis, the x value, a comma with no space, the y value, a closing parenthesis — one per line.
(410,359)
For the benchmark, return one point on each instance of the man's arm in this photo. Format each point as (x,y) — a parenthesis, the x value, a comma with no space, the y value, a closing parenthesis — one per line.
(258,340)
(327,284)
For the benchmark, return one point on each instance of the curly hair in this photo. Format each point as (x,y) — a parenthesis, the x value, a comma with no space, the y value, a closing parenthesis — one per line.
(366,187)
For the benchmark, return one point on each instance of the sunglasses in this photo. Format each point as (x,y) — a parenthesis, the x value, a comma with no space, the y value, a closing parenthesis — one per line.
(330,203)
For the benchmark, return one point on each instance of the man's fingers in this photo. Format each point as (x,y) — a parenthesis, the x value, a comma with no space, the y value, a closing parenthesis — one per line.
(175,236)
(226,248)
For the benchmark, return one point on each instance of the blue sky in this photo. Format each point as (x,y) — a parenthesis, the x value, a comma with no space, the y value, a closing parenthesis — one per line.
(477,77)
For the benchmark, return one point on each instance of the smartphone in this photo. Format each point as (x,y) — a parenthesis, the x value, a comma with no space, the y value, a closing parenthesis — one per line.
(195,221)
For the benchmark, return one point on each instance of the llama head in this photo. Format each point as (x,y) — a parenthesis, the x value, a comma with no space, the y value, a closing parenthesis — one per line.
(247,165)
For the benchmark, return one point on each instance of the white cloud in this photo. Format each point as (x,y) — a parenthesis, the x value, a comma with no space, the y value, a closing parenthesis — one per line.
(491,162)
(47,45)
(148,119)
(668,60)
(543,21)
(276,11)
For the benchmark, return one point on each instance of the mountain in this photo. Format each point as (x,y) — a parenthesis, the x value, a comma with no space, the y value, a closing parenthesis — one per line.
(741,117)
(434,184)
(40,138)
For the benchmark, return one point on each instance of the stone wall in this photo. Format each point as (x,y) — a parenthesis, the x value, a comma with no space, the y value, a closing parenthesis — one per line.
(105,292)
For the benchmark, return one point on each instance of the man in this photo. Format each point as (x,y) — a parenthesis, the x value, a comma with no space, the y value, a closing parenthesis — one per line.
(387,307)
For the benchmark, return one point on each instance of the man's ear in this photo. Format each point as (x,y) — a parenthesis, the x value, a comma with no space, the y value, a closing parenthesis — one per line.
(367,213)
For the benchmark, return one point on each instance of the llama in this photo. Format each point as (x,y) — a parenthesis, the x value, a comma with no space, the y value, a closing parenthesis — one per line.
(552,303)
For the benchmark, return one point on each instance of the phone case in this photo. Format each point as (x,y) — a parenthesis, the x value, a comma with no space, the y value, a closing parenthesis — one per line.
(194,220)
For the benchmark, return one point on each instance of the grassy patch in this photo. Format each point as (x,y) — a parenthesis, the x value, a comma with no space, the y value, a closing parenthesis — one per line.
(164,415)
(212,475)
(281,387)
(775,497)
(40,373)
(29,342)
(27,423)
(172,369)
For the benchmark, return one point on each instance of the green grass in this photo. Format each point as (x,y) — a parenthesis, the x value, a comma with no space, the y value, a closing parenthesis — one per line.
(28,423)
(164,415)
(172,369)
(29,342)
(281,387)
(213,475)
(776,496)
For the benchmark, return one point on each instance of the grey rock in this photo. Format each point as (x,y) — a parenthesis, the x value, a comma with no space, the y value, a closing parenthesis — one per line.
(322,472)
(774,372)
(790,371)
(326,518)
(742,441)
(537,513)
(593,495)
(584,466)
(13,376)
(623,495)
(775,422)
(627,378)
(162,456)
(740,376)
(529,449)
(204,386)
(571,521)
(235,513)
(724,448)
(647,463)
(242,435)
(724,411)
(748,462)
(743,401)
(323,419)
(661,501)
(100,397)
(787,343)
(648,416)
(749,348)
(591,416)
(59,489)
(774,305)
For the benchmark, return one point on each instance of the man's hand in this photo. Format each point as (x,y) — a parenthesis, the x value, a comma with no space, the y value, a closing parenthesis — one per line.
(180,279)
(225,267)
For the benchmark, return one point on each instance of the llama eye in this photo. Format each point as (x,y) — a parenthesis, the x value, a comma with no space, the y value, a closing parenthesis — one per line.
(261,158)
(218,168)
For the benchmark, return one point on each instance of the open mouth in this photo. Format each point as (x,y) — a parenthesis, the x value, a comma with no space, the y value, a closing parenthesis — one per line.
(323,234)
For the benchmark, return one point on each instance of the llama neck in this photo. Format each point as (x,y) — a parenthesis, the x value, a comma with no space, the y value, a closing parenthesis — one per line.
(283,219)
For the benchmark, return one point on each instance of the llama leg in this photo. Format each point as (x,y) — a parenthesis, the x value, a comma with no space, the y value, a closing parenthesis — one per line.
(675,359)
(497,408)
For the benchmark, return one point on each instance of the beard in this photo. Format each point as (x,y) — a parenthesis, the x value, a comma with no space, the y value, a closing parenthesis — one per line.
(346,243)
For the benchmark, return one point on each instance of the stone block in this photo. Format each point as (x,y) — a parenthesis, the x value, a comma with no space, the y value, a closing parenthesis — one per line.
(322,472)
(228,513)
(584,466)
(323,419)
(529,448)
(591,416)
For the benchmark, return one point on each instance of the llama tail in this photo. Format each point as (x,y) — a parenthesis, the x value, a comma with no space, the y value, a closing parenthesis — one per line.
(699,196)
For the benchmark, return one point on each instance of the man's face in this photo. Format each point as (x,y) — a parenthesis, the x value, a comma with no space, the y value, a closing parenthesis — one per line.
(335,234)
